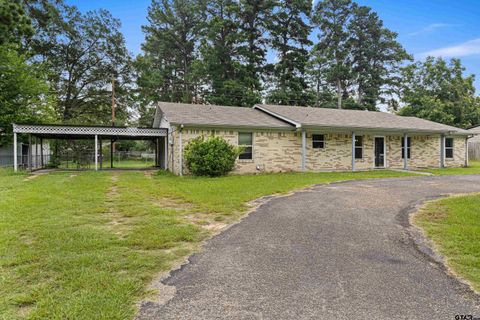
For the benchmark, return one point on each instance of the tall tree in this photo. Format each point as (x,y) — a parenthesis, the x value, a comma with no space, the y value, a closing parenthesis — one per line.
(254,18)
(289,31)
(437,90)
(15,25)
(82,52)
(376,58)
(360,58)
(226,75)
(166,71)
(24,93)
(332,17)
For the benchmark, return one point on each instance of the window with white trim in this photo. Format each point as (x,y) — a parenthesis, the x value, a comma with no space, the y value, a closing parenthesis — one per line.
(358,147)
(449,148)
(318,141)
(245,141)
(409,144)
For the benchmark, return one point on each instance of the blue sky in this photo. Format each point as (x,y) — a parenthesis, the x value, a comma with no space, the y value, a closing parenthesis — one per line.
(448,28)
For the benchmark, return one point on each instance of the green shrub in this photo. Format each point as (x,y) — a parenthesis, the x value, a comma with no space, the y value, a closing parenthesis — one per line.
(210,157)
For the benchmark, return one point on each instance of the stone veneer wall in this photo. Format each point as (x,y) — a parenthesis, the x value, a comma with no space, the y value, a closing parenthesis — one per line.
(280,151)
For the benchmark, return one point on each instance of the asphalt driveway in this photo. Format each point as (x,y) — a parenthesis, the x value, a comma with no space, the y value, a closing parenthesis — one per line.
(339,251)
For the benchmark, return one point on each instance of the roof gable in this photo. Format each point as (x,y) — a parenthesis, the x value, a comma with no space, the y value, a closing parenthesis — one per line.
(217,116)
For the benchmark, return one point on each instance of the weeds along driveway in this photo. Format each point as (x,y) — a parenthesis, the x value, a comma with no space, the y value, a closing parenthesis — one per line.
(339,251)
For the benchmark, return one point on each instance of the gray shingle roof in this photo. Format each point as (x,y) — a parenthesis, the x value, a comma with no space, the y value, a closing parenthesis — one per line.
(336,118)
(209,115)
(476,132)
(287,117)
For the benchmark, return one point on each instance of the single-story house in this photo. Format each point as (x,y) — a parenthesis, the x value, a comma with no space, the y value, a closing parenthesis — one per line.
(284,138)
(474,143)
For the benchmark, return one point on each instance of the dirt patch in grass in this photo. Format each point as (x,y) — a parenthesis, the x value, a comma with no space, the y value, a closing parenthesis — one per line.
(34,176)
(174,204)
(117,222)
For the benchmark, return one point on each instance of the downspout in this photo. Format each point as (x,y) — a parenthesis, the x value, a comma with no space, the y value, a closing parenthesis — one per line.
(405,151)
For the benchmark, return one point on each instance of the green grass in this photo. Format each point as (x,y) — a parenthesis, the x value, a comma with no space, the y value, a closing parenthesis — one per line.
(85,245)
(454,226)
(473,168)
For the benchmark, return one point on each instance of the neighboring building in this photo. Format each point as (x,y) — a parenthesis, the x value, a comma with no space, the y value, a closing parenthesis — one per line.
(6,155)
(283,138)
(474,144)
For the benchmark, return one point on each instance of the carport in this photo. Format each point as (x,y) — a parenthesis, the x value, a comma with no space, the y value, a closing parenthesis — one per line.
(96,133)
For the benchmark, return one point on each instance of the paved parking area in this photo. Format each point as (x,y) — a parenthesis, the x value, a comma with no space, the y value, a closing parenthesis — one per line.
(339,251)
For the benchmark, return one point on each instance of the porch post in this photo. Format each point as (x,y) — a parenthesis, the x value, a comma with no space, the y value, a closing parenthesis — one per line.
(304,148)
(180,145)
(405,151)
(15,159)
(41,152)
(353,151)
(442,151)
(96,152)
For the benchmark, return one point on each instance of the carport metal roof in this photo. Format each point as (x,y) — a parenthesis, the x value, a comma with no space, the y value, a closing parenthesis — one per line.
(87,132)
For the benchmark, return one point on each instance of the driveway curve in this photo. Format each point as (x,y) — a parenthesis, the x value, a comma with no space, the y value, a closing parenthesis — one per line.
(338,251)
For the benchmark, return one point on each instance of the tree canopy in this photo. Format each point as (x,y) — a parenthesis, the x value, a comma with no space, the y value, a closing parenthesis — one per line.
(437,90)
(57,64)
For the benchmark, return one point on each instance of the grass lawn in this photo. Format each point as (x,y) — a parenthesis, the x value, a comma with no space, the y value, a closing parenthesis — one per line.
(454,226)
(85,245)
(473,168)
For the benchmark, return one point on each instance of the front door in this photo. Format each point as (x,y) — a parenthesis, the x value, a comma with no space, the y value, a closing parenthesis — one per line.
(379,152)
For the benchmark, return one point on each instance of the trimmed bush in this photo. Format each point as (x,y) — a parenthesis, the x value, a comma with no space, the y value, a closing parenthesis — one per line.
(210,157)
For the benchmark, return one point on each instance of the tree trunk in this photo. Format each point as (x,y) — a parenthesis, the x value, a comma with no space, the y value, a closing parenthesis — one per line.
(339,94)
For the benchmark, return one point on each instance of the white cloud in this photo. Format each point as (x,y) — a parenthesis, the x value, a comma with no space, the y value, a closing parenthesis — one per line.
(468,48)
(430,28)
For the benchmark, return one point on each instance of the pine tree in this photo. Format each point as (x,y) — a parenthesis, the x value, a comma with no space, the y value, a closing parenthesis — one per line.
(332,17)
(254,18)
(166,70)
(226,77)
(289,33)
(376,57)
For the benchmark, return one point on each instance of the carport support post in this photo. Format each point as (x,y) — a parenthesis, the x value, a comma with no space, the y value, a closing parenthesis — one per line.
(101,153)
(96,152)
(41,152)
(442,151)
(29,152)
(15,156)
(405,151)
(165,154)
(304,146)
(111,153)
(353,151)
(157,149)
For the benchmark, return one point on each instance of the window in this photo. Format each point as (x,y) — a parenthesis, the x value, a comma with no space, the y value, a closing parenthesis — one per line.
(409,145)
(358,147)
(449,148)
(245,140)
(318,141)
